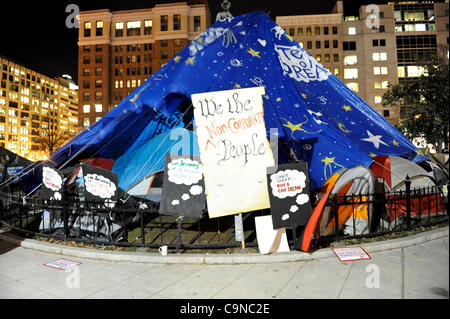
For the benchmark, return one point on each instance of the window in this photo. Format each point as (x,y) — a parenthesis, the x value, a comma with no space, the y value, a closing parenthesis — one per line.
(99,29)
(380,70)
(386,113)
(379,56)
(164,23)
(308,45)
(375,43)
(353,86)
(326,30)
(318,58)
(382,43)
(119,29)
(352,30)
(86,96)
(133,28)
(98,59)
(291,32)
(98,118)
(86,122)
(335,44)
(86,60)
(414,71)
(164,43)
(308,31)
(164,54)
(350,73)
(98,96)
(148,27)
(98,83)
(300,31)
(176,22)
(336,57)
(327,58)
(349,45)
(378,99)
(98,48)
(86,84)
(197,25)
(86,108)
(87,29)
(317,44)
(98,71)
(335,30)
(98,108)
(381,85)
(350,60)
(336,71)
(326,44)
(317,30)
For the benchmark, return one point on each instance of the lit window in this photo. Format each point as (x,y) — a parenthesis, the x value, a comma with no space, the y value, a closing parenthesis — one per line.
(353,86)
(86,108)
(351,30)
(379,56)
(98,108)
(98,118)
(86,122)
(401,71)
(350,60)
(318,57)
(378,99)
(99,24)
(414,71)
(350,73)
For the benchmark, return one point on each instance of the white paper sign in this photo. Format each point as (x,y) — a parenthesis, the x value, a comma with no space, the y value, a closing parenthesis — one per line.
(350,253)
(234,150)
(269,239)
(62,264)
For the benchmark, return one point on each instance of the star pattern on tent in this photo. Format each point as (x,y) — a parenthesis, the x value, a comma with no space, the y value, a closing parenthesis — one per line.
(347,108)
(304,96)
(177,59)
(375,139)
(190,60)
(372,155)
(343,128)
(237,86)
(420,152)
(298,127)
(254,53)
(328,161)
(395,142)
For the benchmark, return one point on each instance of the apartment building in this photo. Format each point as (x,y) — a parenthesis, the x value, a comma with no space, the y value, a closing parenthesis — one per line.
(381,45)
(119,50)
(30,105)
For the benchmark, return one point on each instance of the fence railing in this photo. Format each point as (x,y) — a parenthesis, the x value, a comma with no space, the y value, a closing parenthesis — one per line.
(139,224)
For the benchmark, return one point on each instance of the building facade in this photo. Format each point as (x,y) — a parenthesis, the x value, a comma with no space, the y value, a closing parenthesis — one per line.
(31,104)
(382,45)
(119,50)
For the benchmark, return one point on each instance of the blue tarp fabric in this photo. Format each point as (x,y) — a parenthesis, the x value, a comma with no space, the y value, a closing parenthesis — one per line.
(316,115)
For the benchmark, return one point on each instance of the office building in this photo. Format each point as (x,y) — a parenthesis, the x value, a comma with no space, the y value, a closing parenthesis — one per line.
(31,105)
(119,50)
(380,45)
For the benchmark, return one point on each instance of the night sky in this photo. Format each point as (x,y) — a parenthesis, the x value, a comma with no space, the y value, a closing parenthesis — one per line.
(36,35)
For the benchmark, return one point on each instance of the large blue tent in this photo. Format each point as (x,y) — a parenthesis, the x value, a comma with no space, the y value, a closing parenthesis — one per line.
(317,117)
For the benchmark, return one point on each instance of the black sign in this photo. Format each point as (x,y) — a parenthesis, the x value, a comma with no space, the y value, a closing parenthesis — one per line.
(100,185)
(183,192)
(290,201)
(52,184)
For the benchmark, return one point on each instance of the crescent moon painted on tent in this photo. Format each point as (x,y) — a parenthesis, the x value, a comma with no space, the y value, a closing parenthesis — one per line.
(342,128)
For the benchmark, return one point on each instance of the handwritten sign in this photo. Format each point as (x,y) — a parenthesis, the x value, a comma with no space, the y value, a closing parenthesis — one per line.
(234,150)
(351,253)
(100,185)
(289,195)
(52,184)
(183,192)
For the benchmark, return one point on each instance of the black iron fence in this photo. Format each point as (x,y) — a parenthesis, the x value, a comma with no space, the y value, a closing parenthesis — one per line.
(139,224)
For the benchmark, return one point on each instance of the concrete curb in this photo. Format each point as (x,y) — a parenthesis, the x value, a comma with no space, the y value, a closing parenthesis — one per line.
(216,259)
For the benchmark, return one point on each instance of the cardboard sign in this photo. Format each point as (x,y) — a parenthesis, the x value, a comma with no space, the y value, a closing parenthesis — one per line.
(351,253)
(100,185)
(289,195)
(183,192)
(52,183)
(62,264)
(270,240)
(234,150)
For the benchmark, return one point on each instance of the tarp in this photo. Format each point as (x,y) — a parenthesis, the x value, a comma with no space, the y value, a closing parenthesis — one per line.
(317,116)
(151,156)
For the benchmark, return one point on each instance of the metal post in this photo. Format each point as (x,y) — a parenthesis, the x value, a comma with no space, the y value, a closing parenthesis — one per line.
(65,213)
(180,220)
(408,201)
(142,229)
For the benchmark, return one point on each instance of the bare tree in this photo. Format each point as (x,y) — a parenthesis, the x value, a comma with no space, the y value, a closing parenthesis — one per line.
(52,137)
